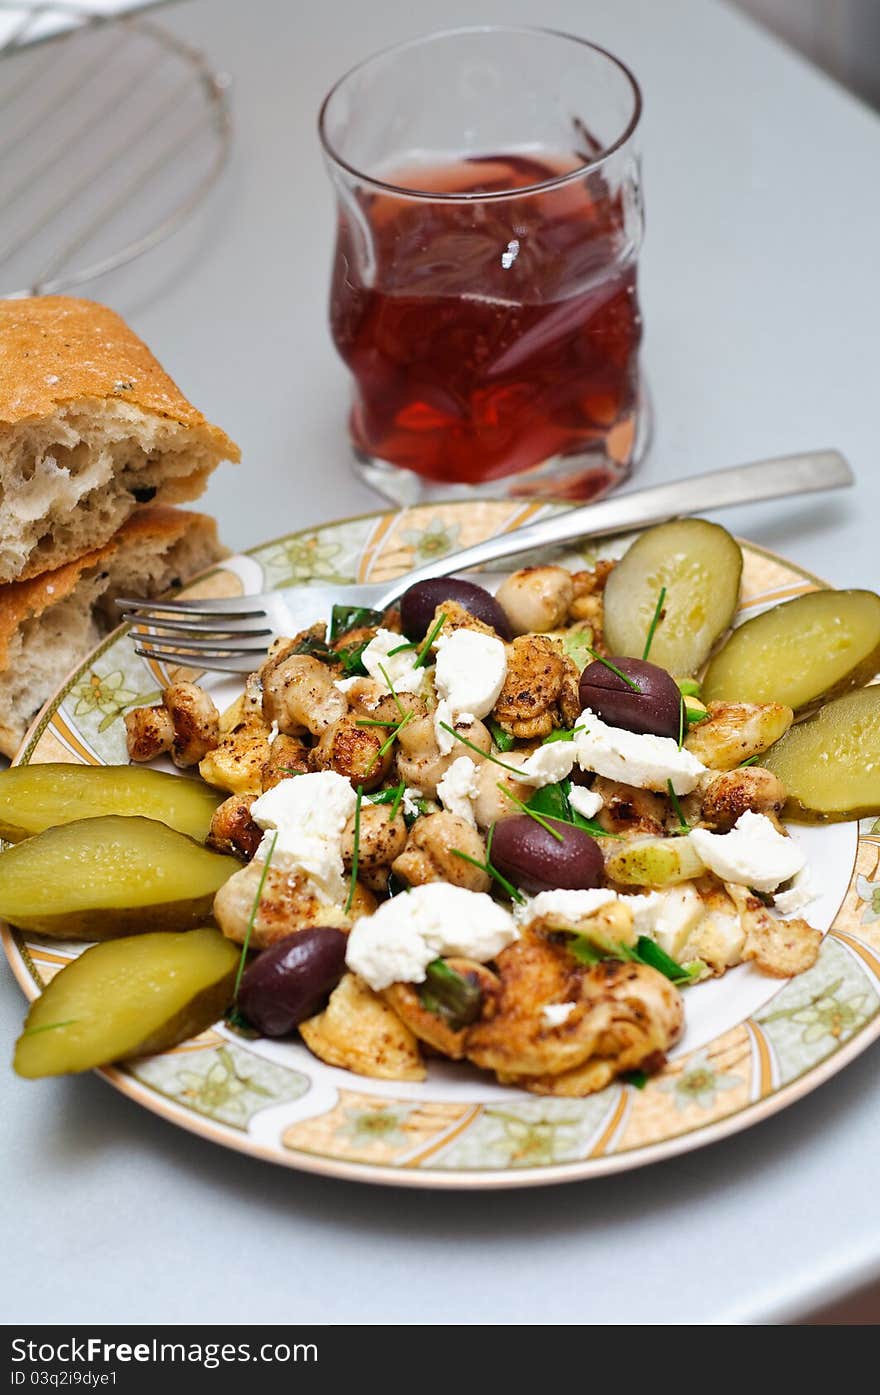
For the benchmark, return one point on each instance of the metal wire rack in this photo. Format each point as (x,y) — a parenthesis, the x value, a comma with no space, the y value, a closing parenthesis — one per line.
(111,134)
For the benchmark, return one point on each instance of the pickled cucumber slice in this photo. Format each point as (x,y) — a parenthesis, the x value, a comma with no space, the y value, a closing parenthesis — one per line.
(700,565)
(127,998)
(100,878)
(654,862)
(830,765)
(36,797)
(803,651)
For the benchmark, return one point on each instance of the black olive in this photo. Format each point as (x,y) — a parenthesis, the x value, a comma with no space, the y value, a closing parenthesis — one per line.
(292,979)
(529,855)
(418,604)
(654,710)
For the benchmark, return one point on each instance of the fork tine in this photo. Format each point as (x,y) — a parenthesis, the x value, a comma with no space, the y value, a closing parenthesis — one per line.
(243,629)
(227,664)
(213,645)
(203,609)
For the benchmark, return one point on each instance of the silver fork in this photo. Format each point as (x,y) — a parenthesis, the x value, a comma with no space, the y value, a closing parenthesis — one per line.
(230,635)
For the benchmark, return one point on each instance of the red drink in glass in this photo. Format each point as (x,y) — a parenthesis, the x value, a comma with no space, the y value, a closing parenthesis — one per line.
(486,302)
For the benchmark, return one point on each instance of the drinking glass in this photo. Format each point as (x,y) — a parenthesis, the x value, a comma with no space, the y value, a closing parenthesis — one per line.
(484,289)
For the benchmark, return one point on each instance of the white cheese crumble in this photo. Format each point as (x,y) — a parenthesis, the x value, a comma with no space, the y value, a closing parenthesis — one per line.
(548,764)
(667,917)
(470,673)
(554,1014)
(752,854)
(458,789)
(400,668)
(585,802)
(308,814)
(566,905)
(345,684)
(398,942)
(648,762)
(800,894)
(411,797)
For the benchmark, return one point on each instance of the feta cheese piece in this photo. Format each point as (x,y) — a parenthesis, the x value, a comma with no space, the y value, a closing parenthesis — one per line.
(548,764)
(400,668)
(398,942)
(565,905)
(648,762)
(458,789)
(345,684)
(470,673)
(585,802)
(800,894)
(554,1014)
(410,803)
(667,917)
(305,816)
(752,854)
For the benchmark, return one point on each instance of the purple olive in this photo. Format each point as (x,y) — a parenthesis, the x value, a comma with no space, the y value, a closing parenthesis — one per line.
(418,604)
(534,860)
(291,980)
(655,710)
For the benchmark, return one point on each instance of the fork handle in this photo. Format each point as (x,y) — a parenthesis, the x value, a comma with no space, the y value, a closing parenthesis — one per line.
(783,475)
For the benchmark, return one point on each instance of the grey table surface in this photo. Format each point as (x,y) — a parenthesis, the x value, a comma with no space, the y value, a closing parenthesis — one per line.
(761,302)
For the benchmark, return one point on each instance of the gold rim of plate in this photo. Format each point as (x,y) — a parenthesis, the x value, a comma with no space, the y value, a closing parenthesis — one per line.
(336,1124)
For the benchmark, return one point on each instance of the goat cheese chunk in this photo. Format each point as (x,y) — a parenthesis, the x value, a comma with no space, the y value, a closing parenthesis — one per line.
(304,817)
(667,917)
(564,905)
(554,1014)
(648,762)
(400,668)
(458,789)
(548,764)
(800,894)
(752,854)
(398,942)
(469,675)
(585,802)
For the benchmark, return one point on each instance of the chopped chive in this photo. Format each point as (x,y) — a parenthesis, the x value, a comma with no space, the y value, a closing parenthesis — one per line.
(532,813)
(492,872)
(253,915)
(386,745)
(751,760)
(658,614)
(636,1078)
(630,682)
(450,995)
(650,953)
(503,739)
(562,734)
(484,755)
(397,703)
(695,715)
(401,648)
(49,1027)
(681,723)
(422,656)
(398,800)
(673,797)
(689,687)
(372,722)
(356,848)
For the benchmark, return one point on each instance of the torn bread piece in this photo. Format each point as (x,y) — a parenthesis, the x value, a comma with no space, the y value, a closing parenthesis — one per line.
(91,430)
(51,621)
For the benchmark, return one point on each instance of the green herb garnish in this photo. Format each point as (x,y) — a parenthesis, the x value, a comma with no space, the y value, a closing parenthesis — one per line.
(684,826)
(645,951)
(484,755)
(576,646)
(253,915)
(401,649)
(422,656)
(450,995)
(503,739)
(352,617)
(356,848)
(352,660)
(689,687)
(386,745)
(695,715)
(552,800)
(637,1078)
(532,813)
(397,801)
(681,723)
(491,871)
(561,734)
(317,648)
(397,703)
(630,682)
(658,615)
(752,760)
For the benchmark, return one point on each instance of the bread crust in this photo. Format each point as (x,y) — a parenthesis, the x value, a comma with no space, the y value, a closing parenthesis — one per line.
(57,350)
(25,600)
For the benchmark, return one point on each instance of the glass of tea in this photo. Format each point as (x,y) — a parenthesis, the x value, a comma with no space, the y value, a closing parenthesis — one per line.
(484,285)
